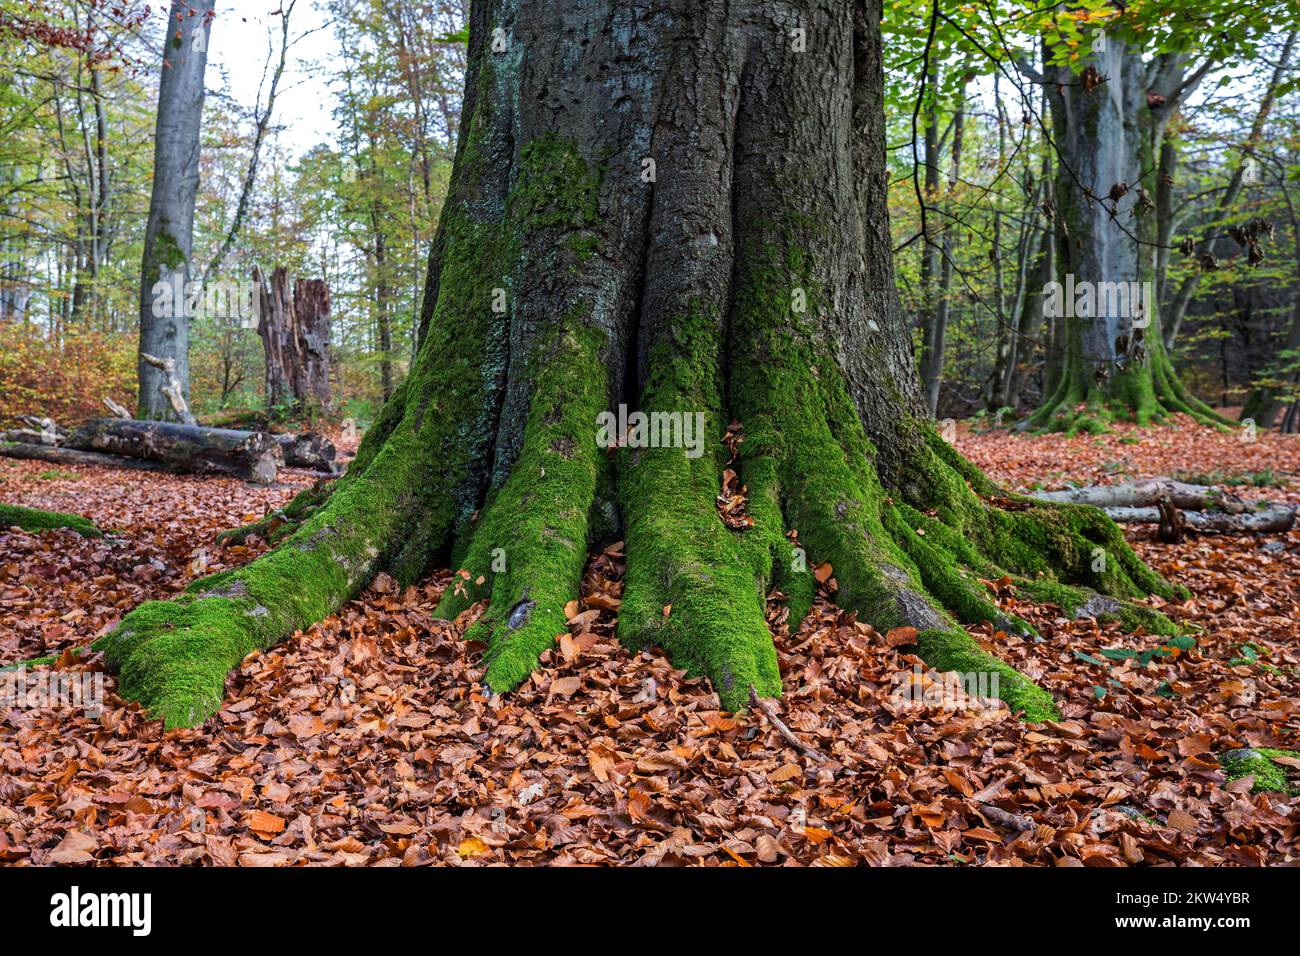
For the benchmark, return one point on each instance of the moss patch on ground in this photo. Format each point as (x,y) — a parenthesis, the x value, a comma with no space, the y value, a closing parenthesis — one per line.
(1270,776)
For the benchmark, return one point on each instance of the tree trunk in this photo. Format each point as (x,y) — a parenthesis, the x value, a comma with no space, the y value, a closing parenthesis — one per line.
(295,335)
(938,254)
(1108,127)
(252,456)
(1215,244)
(629,230)
(165,270)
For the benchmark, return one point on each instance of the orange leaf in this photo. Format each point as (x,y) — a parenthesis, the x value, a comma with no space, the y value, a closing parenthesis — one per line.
(816,835)
(788,772)
(900,636)
(259,821)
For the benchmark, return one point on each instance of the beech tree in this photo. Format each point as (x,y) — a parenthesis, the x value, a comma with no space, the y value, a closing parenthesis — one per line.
(678,208)
(1113,101)
(169,233)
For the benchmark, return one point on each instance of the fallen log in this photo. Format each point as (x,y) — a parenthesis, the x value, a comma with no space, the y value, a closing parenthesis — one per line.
(1176,506)
(1273,517)
(70,456)
(1147,494)
(27,435)
(308,450)
(252,456)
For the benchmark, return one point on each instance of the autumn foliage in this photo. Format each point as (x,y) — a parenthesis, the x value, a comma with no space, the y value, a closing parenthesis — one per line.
(66,379)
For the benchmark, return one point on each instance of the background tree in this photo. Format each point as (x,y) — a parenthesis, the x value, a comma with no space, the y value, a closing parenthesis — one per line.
(168,237)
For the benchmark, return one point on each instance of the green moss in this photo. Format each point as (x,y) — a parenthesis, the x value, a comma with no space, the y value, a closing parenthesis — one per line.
(955,650)
(165,251)
(530,545)
(1269,775)
(30,519)
(694,586)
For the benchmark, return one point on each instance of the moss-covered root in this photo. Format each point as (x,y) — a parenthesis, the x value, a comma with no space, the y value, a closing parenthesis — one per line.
(694,586)
(956,650)
(1270,776)
(30,519)
(528,550)
(173,656)
(281,522)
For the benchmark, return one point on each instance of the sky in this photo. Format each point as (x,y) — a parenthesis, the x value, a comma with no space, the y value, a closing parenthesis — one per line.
(244,34)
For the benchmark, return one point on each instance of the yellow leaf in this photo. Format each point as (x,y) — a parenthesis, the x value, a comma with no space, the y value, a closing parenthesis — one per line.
(472,846)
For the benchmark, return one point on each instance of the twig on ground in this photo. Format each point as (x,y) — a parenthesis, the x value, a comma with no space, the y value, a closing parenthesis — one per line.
(766,708)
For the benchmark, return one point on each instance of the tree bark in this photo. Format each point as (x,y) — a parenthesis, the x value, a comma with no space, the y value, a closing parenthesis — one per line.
(164,313)
(676,209)
(295,332)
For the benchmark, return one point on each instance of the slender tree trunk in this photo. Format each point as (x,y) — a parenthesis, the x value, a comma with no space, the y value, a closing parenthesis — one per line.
(164,318)
(673,232)
(931,257)
(940,303)
(1214,245)
(1266,401)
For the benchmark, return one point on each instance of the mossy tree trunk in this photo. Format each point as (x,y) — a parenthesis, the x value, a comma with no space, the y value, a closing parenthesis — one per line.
(1109,128)
(680,208)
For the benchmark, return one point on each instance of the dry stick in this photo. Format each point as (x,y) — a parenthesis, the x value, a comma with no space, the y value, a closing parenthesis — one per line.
(767,710)
(118,409)
(172,390)
(1014,820)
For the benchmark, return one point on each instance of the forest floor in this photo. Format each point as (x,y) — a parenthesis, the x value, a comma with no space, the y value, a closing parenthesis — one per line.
(369,740)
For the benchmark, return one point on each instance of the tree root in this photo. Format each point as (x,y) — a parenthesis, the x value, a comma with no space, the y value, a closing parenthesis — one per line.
(32,519)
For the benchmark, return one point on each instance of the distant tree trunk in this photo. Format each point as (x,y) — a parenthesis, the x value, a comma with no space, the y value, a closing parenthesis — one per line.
(683,206)
(1031,311)
(939,256)
(164,319)
(1267,399)
(1215,245)
(383,309)
(1109,125)
(295,332)
(931,364)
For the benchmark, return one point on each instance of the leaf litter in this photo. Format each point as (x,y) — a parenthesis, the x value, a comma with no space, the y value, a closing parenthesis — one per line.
(369,739)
